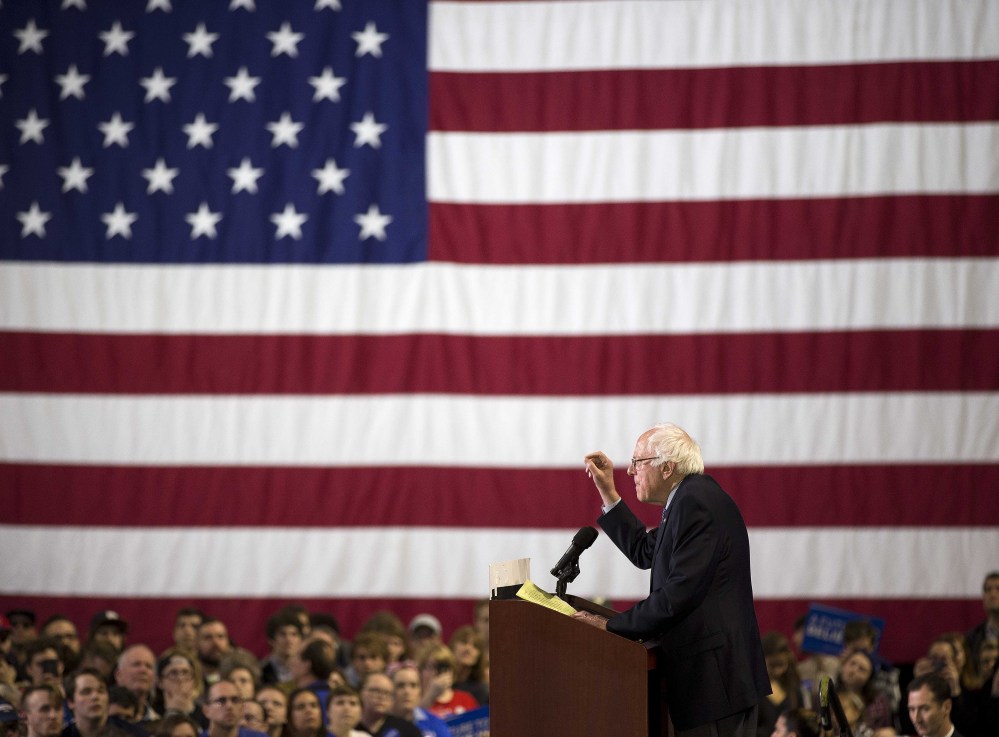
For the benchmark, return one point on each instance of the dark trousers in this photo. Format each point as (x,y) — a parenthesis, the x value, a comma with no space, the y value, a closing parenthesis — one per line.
(740,724)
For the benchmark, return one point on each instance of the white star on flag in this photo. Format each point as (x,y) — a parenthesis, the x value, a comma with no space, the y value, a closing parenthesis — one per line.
(203,222)
(327,85)
(116,40)
(75,176)
(199,132)
(330,177)
(369,41)
(160,177)
(245,4)
(200,42)
(289,222)
(372,223)
(33,221)
(119,222)
(30,37)
(31,127)
(244,178)
(241,86)
(115,131)
(332,4)
(158,86)
(368,131)
(163,5)
(285,40)
(79,4)
(285,131)
(71,83)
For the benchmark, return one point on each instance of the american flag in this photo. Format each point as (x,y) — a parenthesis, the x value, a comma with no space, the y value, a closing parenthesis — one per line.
(325,300)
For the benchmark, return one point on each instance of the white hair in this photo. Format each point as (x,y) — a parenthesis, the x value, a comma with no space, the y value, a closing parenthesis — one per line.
(669,442)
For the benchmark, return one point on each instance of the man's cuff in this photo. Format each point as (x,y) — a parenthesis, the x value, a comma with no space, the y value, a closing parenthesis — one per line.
(609,507)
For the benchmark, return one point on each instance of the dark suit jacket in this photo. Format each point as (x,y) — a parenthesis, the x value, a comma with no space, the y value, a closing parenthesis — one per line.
(700,606)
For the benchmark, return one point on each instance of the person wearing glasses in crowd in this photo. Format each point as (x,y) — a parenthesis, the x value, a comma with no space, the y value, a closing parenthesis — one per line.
(224,709)
(180,686)
(700,605)
(377,701)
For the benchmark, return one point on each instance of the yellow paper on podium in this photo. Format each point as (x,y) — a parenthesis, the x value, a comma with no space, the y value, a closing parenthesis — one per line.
(530,592)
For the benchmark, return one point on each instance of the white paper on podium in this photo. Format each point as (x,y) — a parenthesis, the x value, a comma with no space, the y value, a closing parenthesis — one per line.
(509,573)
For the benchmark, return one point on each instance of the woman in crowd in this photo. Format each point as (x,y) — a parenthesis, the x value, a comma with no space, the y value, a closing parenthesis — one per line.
(784,683)
(440,697)
(344,712)
(180,686)
(856,678)
(305,715)
(254,716)
(177,725)
(275,703)
(469,654)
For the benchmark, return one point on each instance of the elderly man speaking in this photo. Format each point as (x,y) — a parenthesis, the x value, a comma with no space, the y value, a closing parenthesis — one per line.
(700,605)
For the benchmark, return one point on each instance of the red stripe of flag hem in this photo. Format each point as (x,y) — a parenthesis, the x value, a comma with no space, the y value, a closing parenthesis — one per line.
(910,624)
(731,97)
(837,495)
(909,226)
(906,360)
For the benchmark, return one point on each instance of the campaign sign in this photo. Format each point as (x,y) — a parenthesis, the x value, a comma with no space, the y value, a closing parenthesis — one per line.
(824,628)
(473,723)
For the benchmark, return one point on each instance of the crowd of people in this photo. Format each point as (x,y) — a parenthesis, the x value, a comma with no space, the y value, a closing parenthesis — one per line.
(396,680)
(953,691)
(391,680)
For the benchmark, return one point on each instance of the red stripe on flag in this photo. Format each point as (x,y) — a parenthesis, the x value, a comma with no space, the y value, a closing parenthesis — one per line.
(907,360)
(730,230)
(732,97)
(837,495)
(910,623)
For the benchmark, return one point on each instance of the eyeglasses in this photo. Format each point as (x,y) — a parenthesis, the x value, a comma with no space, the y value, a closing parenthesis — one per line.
(178,675)
(635,461)
(378,692)
(223,700)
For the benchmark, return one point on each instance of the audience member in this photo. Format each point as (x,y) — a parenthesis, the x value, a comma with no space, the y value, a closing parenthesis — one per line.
(87,697)
(930,706)
(185,630)
(408,697)
(310,669)
(470,657)
(797,723)
(10,724)
(377,700)
(42,665)
(424,632)
(369,654)
(784,683)
(989,629)
(224,709)
(213,645)
(180,686)
(123,704)
(275,703)
(812,667)
(61,630)
(41,711)
(137,672)
(240,673)
(390,627)
(941,660)
(108,626)
(100,656)
(988,654)
(440,697)
(285,638)
(856,677)
(305,714)
(326,625)
(176,725)
(254,716)
(480,620)
(344,712)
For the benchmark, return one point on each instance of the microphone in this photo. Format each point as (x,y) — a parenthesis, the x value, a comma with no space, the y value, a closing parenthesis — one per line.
(824,720)
(570,561)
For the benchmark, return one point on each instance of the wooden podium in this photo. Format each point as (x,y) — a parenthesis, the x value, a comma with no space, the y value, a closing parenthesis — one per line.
(552,676)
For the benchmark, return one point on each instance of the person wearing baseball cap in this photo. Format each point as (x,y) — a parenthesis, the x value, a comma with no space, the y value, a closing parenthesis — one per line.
(108,626)
(9,721)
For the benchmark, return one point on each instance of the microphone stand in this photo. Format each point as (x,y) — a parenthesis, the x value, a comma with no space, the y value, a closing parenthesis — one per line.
(565,576)
(828,698)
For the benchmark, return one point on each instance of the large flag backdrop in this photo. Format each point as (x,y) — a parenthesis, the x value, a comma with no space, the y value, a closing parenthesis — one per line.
(325,301)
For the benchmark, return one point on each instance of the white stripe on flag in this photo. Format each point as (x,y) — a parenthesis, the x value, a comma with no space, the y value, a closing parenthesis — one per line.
(742,163)
(502,300)
(453,563)
(460,430)
(614,34)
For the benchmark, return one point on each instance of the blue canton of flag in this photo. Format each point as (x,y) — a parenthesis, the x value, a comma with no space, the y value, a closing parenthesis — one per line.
(230,131)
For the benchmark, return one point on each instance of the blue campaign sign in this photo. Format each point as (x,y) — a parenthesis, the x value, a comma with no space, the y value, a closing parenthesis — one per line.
(473,723)
(824,628)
